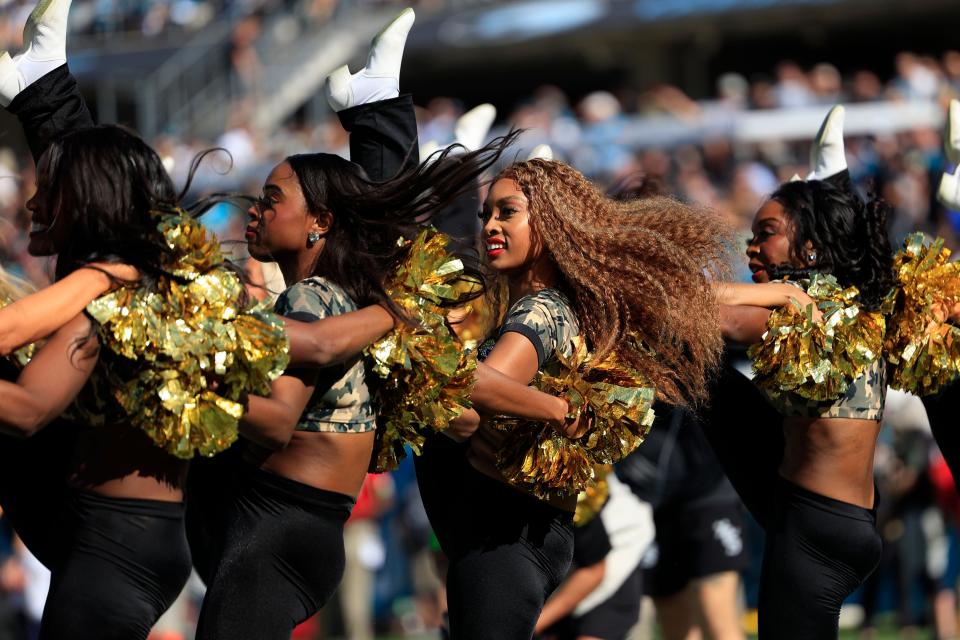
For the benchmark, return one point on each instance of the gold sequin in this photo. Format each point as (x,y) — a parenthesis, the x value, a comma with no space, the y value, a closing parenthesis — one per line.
(425,373)
(538,459)
(162,346)
(923,349)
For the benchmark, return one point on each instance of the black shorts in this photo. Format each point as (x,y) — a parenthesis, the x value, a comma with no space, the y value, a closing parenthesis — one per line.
(694,541)
(612,619)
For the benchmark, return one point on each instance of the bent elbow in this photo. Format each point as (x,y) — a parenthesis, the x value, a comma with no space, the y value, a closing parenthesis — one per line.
(26,427)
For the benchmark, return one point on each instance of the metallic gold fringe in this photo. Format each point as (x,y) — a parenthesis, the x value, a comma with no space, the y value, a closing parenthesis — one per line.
(21,357)
(162,346)
(922,346)
(538,459)
(426,373)
(818,360)
(594,496)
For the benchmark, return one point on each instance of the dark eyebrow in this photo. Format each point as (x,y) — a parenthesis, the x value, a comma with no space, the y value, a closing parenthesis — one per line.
(271,188)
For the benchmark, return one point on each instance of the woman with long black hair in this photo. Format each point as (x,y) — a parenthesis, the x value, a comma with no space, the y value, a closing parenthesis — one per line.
(803,465)
(116,547)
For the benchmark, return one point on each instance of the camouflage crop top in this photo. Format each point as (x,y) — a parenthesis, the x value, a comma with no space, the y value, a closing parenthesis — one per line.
(545,318)
(341,400)
(864,399)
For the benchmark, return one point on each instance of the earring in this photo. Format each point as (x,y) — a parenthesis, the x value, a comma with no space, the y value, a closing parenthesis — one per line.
(812,257)
(313,236)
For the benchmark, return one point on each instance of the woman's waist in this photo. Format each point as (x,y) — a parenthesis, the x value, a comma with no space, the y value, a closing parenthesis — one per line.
(832,457)
(121,462)
(482,457)
(332,461)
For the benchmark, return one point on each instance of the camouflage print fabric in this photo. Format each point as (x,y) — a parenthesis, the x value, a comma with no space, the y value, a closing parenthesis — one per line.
(341,401)
(546,318)
(864,399)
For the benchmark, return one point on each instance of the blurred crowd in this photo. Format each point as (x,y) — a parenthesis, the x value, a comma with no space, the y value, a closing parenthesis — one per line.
(394,586)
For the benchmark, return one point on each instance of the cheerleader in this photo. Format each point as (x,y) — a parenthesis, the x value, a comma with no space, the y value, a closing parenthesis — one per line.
(579,267)
(810,482)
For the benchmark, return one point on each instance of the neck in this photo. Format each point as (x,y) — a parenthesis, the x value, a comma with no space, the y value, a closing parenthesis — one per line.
(541,275)
(297,266)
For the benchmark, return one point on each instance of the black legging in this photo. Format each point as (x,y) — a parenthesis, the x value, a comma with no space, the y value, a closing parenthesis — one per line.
(818,550)
(276,556)
(507,551)
(943,410)
(125,562)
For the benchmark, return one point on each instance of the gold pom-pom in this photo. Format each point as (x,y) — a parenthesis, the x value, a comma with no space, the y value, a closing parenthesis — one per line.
(426,374)
(161,347)
(922,346)
(12,289)
(591,500)
(818,360)
(538,459)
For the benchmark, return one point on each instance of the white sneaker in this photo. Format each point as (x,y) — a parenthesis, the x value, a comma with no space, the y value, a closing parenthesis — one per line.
(45,36)
(827,156)
(949,192)
(473,126)
(380,79)
(541,152)
(9,79)
(951,137)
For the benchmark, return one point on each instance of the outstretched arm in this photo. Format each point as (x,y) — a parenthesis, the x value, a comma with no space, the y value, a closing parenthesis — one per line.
(334,339)
(40,314)
(743,324)
(51,381)
(769,294)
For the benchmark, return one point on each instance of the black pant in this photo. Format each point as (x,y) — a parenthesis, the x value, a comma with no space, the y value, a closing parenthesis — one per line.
(383,135)
(49,108)
(943,410)
(125,563)
(279,557)
(818,550)
(507,551)
(33,487)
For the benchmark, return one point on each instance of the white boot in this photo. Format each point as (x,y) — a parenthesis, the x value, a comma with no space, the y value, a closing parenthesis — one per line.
(45,37)
(949,192)
(473,126)
(380,79)
(827,157)
(951,137)
(541,152)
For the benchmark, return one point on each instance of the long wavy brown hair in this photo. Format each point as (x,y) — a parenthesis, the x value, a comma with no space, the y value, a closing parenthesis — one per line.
(643,266)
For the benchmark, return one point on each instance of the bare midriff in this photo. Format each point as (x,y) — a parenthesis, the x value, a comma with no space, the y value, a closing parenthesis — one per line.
(832,457)
(323,460)
(482,455)
(121,462)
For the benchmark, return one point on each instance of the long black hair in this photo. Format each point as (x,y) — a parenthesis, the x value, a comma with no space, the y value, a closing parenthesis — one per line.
(103,182)
(369,217)
(848,235)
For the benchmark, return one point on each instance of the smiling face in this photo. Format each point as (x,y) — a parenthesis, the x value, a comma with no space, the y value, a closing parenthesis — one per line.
(770,244)
(510,240)
(279,220)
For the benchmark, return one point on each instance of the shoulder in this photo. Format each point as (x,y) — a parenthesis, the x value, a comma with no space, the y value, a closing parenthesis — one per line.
(312,299)
(548,306)
(547,319)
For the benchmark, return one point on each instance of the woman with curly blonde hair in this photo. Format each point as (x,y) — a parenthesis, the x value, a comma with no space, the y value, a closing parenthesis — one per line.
(632,278)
